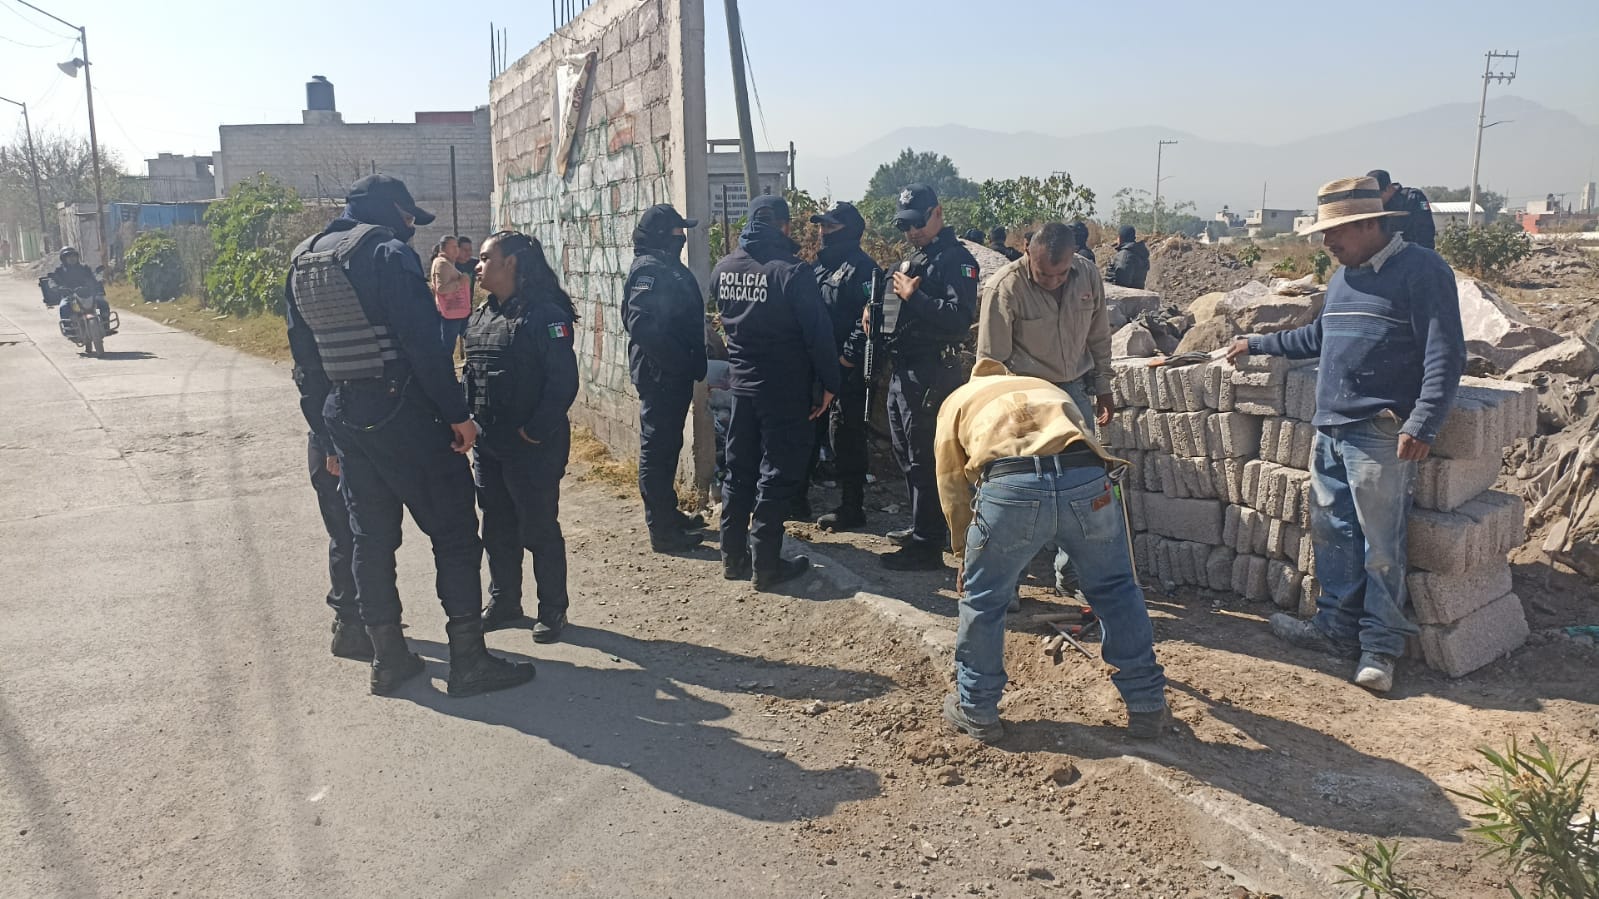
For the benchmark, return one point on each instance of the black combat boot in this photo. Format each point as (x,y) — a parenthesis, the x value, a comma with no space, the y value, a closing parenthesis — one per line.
(800,508)
(851,512)
(918,555)
(393,662)
(472,669)
(671,541)
(736,567)
(351,642)
(785,570)
(501,615)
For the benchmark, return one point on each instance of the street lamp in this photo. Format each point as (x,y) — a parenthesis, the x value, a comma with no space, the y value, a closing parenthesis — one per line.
(71,68)
(33,163)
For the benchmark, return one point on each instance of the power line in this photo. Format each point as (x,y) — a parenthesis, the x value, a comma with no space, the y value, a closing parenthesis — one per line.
(18,13)
(754,88)
(11,40)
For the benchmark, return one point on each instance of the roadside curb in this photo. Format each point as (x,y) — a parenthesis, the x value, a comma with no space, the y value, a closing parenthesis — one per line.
(935,634)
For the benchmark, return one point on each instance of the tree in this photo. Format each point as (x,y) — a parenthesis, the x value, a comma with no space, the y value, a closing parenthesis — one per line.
(66,174)
(1027,200)
(1490,202)
(1133,207)
(932,169)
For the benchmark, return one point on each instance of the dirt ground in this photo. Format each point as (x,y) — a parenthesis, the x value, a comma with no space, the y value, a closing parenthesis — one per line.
(1272,740)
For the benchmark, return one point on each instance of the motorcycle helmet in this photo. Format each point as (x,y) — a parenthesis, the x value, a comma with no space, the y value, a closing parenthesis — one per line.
(68,251)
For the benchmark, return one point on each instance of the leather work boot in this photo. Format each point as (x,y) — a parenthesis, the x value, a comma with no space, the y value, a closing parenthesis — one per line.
(736,568)
(548,628)
(393,662)
(499,616)
(351,642)
(786,570)
(850,512)
(472,669)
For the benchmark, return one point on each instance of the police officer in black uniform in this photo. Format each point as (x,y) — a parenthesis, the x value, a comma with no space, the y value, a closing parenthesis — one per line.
(663,312)
(845,273)
(520,379)
(72,274)
(349,636)
(779,344)
(938,287)
(1416,224)
(376,383)
(996,242)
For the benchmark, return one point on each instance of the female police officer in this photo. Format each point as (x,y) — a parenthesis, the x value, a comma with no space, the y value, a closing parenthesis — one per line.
(520,380)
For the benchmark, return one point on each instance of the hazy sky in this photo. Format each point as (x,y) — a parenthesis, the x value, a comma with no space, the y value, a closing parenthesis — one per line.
(831,74)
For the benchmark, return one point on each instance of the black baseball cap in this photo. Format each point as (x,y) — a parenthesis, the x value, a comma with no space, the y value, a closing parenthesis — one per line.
(1383,180)
(844,214)
(915,202)
(386,188)
(664,218)
(769,208)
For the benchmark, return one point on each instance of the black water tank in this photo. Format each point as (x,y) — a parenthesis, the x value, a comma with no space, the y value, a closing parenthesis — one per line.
(319,93)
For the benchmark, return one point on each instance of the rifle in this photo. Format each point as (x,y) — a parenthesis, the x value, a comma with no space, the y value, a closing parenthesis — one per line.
(874,335)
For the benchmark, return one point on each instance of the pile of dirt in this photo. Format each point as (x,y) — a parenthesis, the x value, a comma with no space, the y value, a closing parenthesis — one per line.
(1182,270)
(1555,265)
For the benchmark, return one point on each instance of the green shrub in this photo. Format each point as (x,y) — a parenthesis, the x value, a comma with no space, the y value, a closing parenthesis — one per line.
(252,233)
(1322,263)
(1249,253)
(1485,251)
(155,267)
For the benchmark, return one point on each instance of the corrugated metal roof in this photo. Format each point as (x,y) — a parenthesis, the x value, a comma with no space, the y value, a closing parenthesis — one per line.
(1453,207)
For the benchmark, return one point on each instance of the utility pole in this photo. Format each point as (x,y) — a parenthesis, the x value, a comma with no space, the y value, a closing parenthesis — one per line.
(1488,75)
(455,216)
(71,68)
(33,163)
(1160,147)
(741,102)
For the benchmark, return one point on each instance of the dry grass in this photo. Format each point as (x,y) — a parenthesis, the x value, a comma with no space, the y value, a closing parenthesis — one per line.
(258,335)
(600,467)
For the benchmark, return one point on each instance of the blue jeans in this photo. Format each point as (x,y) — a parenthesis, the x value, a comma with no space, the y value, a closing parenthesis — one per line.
(1016,516)
(1360,499)
(1078,391)
(451,331)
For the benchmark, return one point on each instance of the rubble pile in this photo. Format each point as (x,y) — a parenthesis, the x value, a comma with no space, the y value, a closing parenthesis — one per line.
(1218,495)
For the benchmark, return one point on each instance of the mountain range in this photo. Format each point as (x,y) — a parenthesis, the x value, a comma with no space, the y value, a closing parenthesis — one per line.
(1536,152)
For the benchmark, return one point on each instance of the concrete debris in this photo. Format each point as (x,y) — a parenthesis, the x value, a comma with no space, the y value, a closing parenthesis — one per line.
(1573,356)
(1495,329)
(1132,341)
(1259,310)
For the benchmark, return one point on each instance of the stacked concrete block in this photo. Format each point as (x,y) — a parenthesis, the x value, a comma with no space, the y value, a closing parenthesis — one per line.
(1220,496)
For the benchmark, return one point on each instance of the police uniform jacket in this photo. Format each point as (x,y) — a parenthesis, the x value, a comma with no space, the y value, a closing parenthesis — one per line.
(664,316)
(940,314)
(70,277)
(521,370)
(388,281)
(844,274)
(1416,224)
(779,336)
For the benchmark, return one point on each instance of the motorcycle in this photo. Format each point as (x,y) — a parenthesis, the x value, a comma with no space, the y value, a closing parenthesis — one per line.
(84,324)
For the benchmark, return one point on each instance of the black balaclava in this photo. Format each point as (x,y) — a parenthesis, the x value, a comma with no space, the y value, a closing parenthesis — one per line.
(380,212)
(662,241)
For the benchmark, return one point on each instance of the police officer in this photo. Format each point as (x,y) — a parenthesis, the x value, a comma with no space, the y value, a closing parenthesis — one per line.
(1080,228)
(349,637)
(1416,224)
(845,274)
(779,344)
(663,312)
(521,378)
(377,384)
(938,287)
(996,242)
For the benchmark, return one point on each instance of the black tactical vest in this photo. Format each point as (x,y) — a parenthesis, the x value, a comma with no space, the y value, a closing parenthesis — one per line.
(488,376)
(350,346)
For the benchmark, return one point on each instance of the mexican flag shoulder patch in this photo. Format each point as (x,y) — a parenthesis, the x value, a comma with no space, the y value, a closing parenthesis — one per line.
(560,330)
(969,271)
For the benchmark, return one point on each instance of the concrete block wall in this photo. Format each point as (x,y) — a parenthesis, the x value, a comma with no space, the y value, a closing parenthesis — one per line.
(1219,496)
(638,139)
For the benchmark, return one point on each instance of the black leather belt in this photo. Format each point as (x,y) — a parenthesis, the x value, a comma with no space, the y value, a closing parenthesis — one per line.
(1082,457)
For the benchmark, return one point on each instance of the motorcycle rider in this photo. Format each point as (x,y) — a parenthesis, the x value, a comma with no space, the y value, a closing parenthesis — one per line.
(71,275)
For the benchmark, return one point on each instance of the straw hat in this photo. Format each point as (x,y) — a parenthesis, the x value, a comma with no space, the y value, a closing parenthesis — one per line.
(1347,200)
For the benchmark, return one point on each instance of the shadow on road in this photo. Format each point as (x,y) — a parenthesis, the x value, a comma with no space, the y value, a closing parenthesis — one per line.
(649,721)
(126,355)
(1299,773)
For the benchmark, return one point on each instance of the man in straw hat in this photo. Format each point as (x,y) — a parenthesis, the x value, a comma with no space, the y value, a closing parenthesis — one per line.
(1391,351)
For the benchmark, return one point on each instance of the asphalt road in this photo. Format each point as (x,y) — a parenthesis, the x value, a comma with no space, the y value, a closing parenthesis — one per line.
(171,722)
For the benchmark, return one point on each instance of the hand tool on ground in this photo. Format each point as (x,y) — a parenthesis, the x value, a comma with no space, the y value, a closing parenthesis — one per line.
(1072,640)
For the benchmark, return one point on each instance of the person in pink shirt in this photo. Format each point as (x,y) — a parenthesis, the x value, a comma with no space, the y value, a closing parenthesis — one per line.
(452,292)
